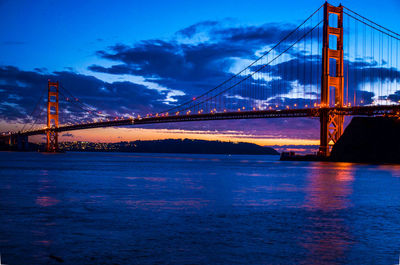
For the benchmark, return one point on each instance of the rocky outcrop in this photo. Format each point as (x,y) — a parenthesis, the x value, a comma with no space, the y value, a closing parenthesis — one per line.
(369,140)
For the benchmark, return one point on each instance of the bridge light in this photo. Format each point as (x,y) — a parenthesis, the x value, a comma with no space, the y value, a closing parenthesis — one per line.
(306,106)
(362,101)
(287,107)
(276,106)
(238,109)
(194,98)
(270,107)
(254,108)
(243,108)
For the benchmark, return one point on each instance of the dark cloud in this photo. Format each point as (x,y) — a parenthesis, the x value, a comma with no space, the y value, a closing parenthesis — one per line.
(395,97)
(266,34)
(204,26)
(21,90)
(197,67)
(169,60)
(253,36)
(191,67)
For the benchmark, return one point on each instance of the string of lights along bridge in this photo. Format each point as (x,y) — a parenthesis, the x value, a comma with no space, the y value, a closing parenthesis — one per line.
(335,63)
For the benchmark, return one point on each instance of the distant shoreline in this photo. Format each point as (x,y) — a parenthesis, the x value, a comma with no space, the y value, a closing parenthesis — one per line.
(171,146)
(168,146)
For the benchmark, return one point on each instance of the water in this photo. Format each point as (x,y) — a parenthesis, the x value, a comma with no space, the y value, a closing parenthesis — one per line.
(113,208)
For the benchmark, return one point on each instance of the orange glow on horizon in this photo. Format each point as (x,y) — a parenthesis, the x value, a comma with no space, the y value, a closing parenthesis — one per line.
(144,134)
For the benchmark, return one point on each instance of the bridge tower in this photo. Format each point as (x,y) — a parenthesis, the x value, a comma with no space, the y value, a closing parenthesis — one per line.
(332,79)
(52,117)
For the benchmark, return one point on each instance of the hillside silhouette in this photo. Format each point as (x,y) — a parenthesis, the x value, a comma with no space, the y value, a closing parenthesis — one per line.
(185,146)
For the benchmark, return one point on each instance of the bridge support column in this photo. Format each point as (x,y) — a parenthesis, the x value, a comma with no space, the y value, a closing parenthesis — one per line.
(12,140)
(52,117)
(52,141)
(331,122)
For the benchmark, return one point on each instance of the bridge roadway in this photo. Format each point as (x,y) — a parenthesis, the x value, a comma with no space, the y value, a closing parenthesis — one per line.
(285,113)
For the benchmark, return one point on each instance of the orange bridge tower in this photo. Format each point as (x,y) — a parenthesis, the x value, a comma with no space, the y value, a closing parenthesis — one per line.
(52,117)
(332,78)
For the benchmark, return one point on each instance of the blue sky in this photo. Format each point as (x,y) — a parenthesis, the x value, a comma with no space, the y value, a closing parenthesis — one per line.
(56,34)
(79,42)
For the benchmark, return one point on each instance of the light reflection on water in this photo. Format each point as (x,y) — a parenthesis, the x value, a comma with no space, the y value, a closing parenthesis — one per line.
(328,189)
(199,209)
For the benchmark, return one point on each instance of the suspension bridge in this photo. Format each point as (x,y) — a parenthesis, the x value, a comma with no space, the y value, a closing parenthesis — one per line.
(336,63)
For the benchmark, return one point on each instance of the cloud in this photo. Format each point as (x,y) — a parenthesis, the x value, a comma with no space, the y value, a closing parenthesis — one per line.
(20,91)
(203,55)
(200,27)
(265,34)
(395,97)
(191,66)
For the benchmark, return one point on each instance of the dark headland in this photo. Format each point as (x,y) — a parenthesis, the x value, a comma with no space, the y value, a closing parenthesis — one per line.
(369,140)
(373,140)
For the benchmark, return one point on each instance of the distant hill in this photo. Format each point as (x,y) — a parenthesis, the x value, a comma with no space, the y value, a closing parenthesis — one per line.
(185,146)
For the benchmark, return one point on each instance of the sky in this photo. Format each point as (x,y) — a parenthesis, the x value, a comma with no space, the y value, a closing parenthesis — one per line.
(145,56)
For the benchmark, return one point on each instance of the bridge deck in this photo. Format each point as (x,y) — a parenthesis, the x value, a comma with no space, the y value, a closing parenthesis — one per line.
(287,113)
